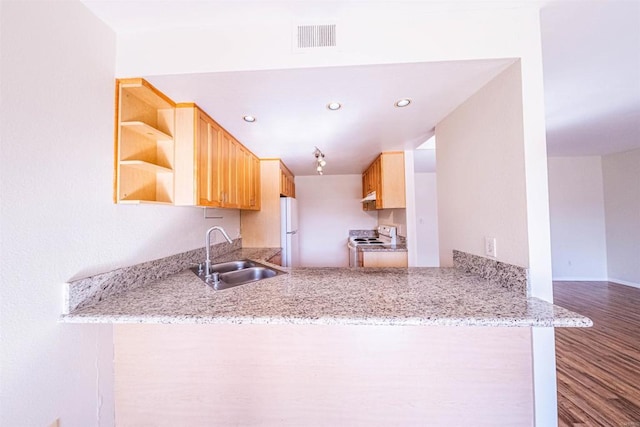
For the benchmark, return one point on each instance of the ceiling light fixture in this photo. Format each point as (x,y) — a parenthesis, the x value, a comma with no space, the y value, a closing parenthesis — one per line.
(333,106)
(249,119)
(403,102)
(320,162)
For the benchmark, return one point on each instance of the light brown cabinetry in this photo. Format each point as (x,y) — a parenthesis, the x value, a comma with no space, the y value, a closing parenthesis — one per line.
(144,146)
(262,229)
(385,176)
(176,154)
(287,183)
(382,259)
(213,168)
(197,158)
(229,160)
(251,199)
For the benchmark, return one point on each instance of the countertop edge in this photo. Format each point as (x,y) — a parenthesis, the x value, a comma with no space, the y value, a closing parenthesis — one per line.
(329,321)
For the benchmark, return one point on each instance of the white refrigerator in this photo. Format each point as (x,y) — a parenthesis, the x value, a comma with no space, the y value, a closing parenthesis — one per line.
(289,231)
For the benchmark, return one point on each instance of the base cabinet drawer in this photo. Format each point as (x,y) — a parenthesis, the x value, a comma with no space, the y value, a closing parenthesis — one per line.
(383,259)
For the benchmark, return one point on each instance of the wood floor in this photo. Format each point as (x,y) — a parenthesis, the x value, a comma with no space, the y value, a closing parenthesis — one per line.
(598,368)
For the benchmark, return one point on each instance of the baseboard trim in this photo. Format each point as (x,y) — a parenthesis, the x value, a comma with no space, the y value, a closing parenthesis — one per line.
(624,282)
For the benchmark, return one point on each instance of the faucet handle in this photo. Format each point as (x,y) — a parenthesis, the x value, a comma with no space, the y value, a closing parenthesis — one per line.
(214,279)
(200,266)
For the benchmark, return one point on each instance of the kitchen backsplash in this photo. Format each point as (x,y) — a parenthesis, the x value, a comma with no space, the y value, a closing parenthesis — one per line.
(509,276)
(363,233)
(92,289)
(395,217)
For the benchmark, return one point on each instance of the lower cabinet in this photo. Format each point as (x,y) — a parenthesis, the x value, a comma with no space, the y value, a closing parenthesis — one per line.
(382,259)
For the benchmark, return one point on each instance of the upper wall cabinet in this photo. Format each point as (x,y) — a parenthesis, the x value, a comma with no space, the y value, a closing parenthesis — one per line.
(287,182)
(144,149)
(385,176)
(198,174)
(262,229)
(213,169)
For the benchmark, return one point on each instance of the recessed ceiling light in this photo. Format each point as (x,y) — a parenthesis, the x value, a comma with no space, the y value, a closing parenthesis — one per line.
(249,119)
(334,106)
(403,102)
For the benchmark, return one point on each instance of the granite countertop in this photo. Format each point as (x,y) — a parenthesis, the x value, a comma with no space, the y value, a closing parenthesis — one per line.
(344,296)
(382,248)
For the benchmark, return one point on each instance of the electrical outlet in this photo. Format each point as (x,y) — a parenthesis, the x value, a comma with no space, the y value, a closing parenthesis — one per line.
(490,246)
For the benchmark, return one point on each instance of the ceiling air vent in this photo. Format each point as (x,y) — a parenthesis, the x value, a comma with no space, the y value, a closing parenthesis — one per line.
(311,36)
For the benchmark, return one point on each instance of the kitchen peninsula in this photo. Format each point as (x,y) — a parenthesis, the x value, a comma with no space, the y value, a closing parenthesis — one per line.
(330,346)
(325,296)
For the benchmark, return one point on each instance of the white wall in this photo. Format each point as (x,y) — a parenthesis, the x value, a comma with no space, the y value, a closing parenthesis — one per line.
(396,217)
(481,173)
(328,207)
(621,175)
(576,206)
(57,219)
(492,182)
(259,37)
(426,220)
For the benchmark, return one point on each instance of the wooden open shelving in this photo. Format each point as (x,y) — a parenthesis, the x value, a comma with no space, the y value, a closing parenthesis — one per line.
(145,121)
(147,131)
(176,154)
(145,166)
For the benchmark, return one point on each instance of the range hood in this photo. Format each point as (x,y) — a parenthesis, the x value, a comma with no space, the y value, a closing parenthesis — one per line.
(370,196)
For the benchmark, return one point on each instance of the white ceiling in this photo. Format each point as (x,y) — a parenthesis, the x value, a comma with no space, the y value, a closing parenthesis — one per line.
(292,118)
(591,54)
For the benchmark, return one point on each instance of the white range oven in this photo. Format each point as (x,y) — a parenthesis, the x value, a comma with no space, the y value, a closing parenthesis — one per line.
(387,236)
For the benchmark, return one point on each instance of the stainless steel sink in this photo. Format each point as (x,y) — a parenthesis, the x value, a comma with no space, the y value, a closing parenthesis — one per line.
(232,266)
(235,273)
(247,275)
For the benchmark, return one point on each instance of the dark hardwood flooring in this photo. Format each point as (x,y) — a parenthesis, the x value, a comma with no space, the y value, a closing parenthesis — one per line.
(598,368)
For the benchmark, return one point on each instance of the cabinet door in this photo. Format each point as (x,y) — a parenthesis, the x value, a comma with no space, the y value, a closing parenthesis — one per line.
(242,172)
(254,183)
(377,182)
(230,148)
(384,259)
(207,156)
(251,166)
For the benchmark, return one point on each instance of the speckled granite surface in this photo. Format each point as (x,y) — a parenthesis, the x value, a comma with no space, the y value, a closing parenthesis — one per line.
(90,290)
(382,248)
(363,233)
(340,296)
(510,276)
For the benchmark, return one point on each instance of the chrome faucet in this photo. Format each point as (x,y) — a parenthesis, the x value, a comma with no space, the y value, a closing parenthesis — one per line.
(207,245)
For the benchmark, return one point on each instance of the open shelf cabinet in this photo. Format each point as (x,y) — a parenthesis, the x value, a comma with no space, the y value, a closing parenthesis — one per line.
(144,154)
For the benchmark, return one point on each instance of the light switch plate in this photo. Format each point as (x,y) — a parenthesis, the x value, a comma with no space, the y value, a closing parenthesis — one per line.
(490,247)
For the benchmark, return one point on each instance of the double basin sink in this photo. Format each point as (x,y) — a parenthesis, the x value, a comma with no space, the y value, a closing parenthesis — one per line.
(235,273)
